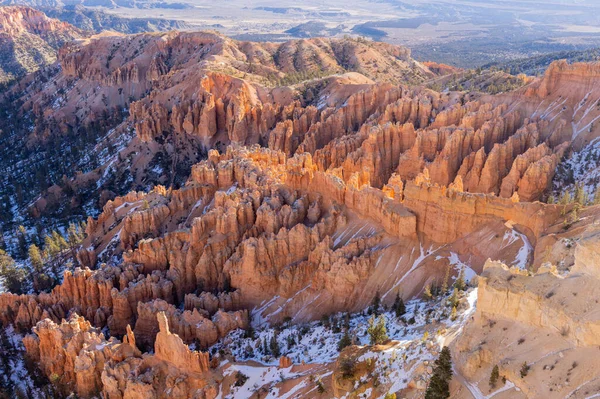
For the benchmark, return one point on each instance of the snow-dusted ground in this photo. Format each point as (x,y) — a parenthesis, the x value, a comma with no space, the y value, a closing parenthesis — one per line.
(317,342)
(257,377)
(13,372)
(512,236)
(581,167)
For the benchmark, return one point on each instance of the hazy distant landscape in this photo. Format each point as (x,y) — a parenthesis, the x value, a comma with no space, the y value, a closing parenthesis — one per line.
(459,32)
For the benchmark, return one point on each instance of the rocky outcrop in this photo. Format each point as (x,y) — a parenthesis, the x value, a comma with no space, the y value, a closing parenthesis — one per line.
(72,354)
(77,358)
(30,40)
(561,74)
(548,312)
(125,301)
(174,369)
(445,215)
(192,326)
(285,362)
(170,348)
(525,299)
(138,225)
(211,303)
(85,291)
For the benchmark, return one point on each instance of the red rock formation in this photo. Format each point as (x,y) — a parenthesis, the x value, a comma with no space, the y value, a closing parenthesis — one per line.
(170,348)
(77,358)
(445,215)
(174,369)
(285,362)
(192,326)
(73,354)
(296,228)
(16,20)
(30,40)
(212,303)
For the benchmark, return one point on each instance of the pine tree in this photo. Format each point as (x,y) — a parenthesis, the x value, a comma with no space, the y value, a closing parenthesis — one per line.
(597,196)
(399,306)
(320,387)
(51,247)
(580,195)
(35,257)
(427,293)
(12,275)
(565,198)
(344,341)
(445,282)
(575,213)
(74,237)
(265,348)
(347,321)
(274,346)
(377,330)
(460,281)
(75,234)
(494,376)
(59,240)
(22,240)
(439,387)
(453,301)
(375,304)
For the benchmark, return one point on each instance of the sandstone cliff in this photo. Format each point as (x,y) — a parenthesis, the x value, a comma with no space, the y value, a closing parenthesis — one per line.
(29,40)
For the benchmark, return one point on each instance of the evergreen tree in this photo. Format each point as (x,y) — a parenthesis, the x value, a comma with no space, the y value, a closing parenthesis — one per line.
(494,376)
(439,385)
(565,198)
(51,247)
(274,346)
(265,348)
(344,341)
(575,213)
(453,314)
(75,235)
(249,333)
(12,275)
(453,301)
(427,293)
(445,281)
(377,330)
(22,241)
(375,304)
(460,281)
(597,196)
(320,387)
(59,241)
(581,196)
(399,306)
(35,257)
